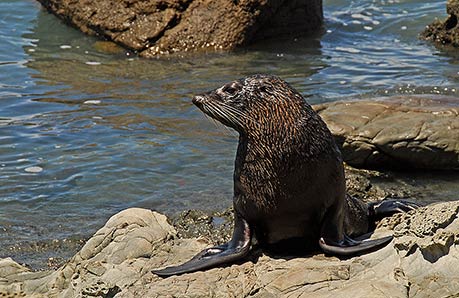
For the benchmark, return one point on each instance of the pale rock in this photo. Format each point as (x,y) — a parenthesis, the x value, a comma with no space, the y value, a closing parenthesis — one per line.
(117,261)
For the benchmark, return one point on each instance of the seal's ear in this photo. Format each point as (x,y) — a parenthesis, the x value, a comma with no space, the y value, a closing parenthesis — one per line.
(263,89)
(267,91)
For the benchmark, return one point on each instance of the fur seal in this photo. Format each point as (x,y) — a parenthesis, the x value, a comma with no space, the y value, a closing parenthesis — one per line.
(288,178)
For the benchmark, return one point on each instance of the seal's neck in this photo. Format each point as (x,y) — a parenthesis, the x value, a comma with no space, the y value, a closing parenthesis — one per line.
(271,158)
(300,136)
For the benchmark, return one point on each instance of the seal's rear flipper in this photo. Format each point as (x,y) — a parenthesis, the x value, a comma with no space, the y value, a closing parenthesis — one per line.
(350,247)
(390,206)
(236,249)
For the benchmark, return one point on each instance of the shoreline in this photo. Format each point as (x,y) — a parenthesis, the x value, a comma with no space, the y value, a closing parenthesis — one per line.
(215,226)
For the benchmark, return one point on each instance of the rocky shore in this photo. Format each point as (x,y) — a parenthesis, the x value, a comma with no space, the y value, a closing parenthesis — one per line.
(216,225)
(116,262)
(153,28)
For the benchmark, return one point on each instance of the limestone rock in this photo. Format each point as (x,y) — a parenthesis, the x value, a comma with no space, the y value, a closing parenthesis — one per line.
(445,32)
(168,26)
(112,259)
(116,262)
(397,132)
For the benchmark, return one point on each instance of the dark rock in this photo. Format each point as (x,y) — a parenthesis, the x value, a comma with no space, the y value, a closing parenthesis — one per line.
(166,26)
(215,227)
(403,132)
(445,32)
(371,185)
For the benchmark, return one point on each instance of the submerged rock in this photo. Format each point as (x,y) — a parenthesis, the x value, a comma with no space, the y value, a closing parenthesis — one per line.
(116,262)
(445,32)
(163,27)
(403,132)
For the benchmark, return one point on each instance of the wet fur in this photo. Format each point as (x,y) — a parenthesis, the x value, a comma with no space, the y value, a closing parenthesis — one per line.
(284,147)
(288,178)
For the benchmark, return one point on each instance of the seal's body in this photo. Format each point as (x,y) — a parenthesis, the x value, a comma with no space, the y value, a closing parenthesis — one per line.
(288,179)
(288,170)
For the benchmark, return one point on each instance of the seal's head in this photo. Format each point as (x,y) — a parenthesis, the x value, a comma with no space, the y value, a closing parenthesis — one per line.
(256,104)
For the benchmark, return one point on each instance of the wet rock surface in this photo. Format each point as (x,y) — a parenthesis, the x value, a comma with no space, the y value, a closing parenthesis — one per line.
(403,132)
(116,262)
(152,28)
(214,227)
(366,185)
(445,32)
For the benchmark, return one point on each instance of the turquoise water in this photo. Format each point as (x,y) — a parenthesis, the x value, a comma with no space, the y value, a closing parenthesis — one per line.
(85,133)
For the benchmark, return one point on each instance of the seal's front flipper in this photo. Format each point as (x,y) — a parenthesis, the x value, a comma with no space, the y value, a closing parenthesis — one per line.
(234,250)
(208,258)
(350,247)
(389,207)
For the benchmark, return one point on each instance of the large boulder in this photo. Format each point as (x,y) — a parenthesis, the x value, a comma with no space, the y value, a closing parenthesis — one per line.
(445,32)
(397,132)
(116,262)
(168,26)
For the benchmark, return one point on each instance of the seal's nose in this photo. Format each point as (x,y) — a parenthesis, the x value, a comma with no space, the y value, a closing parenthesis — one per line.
(197,100)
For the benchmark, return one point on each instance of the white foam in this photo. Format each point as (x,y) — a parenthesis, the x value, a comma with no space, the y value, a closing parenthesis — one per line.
(34,169)
(361,17)
(349,50)
(92,102)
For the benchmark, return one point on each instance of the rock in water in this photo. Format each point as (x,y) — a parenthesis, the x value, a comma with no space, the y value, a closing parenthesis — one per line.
(162,27)
(408,132)
(445,32)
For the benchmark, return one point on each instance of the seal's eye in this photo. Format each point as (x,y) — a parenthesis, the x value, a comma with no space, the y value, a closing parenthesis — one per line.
(229,90)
